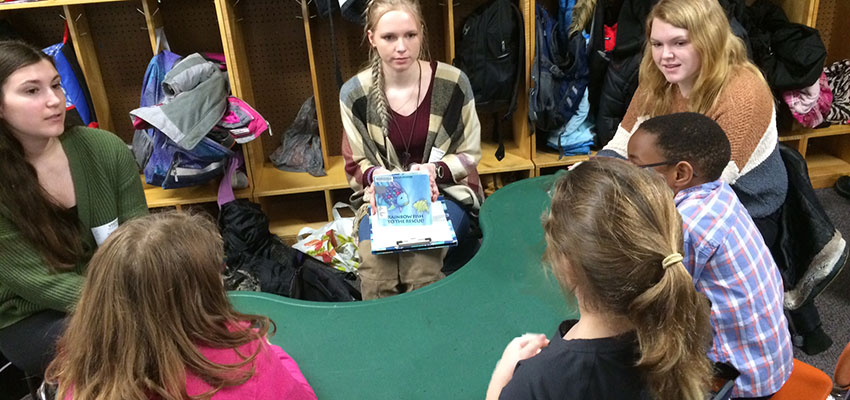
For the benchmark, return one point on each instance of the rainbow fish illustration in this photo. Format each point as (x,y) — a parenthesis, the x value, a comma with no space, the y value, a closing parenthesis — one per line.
(392,195)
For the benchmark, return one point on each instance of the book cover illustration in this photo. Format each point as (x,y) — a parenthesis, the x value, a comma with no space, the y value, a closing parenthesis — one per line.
(403,199)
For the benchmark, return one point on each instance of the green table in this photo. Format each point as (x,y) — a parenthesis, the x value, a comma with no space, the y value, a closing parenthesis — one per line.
(439,342)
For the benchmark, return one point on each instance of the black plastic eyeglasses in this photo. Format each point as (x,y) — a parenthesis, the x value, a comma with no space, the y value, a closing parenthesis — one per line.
(658,164)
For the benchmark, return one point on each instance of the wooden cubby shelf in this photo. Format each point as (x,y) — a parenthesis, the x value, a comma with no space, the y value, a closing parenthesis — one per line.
(273,181)
(51,3)
(279,54)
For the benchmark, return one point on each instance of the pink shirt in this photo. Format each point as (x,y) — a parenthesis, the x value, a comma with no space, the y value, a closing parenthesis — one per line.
(276,375)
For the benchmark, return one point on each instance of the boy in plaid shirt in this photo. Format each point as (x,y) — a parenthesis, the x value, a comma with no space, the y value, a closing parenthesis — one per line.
(723,249)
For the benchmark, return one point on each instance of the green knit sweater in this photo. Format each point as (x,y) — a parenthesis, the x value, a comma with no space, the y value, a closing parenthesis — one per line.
(107,186)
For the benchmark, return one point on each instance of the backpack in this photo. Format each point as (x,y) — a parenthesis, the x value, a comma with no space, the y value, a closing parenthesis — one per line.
(490,51)
(559,72)
(164,162)
(77,96)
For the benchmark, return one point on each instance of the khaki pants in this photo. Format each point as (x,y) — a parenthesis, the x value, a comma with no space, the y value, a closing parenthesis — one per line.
(384,275)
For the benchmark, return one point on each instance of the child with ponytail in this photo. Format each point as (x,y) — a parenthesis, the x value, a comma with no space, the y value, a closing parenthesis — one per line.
(643,330)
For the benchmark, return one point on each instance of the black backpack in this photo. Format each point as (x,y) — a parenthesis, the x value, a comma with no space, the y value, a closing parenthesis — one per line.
(491,51)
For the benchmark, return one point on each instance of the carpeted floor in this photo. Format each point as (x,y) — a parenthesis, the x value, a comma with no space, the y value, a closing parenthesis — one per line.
(834,303)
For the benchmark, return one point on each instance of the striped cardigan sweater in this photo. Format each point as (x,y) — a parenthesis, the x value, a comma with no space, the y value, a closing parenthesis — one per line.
(107,187)
(745,112)
(453,128)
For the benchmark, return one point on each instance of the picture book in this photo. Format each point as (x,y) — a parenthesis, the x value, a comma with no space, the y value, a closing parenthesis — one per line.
(391,239)
(403,199)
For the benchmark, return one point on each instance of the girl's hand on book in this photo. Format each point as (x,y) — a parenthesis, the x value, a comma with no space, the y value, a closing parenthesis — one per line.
(431,169)
(370,191)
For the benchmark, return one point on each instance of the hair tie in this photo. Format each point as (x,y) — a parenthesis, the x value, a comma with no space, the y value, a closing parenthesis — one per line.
(672,259)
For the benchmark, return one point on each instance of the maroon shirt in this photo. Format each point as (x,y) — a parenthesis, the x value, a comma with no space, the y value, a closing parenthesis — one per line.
(402,129)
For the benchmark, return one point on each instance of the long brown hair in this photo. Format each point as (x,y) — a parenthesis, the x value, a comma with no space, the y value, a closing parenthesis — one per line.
(609,230)
(49,227)
(152,294)
(374,11)
(720,51)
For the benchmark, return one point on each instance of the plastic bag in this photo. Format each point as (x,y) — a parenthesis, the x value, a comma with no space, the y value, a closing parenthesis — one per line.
(333,243)
(300,149)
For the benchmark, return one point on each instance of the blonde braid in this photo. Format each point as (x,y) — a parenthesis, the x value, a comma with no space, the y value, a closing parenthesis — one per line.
(377,95)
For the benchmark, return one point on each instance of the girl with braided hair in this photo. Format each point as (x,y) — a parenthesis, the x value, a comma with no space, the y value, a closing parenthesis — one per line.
(404,113)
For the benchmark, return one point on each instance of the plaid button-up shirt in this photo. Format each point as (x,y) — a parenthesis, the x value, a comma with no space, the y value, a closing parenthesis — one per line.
(732,266)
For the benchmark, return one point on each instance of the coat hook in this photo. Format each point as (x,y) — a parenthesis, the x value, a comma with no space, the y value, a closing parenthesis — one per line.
(236,3)
(78,17)
(140,11)
(155,11)
(62,16)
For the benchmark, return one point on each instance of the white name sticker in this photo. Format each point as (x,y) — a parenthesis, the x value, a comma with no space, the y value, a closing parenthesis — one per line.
(102,232)
(436,155)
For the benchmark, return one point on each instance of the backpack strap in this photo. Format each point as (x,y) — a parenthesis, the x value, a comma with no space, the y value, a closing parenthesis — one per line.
(225,187)
(519,65)
(333,45)
(497,133)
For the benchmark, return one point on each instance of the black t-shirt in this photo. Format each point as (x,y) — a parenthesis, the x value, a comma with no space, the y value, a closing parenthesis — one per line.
(598,369)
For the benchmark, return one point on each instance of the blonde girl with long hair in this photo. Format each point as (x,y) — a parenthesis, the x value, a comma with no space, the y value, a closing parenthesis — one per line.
(643,329)
(693,62)
(405,113)
(154,322)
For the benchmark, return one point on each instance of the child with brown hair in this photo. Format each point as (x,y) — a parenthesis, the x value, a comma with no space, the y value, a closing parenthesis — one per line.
(154,322)
(614,240)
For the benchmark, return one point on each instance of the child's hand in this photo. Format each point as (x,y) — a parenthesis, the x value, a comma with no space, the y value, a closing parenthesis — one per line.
(520,348)
(523,347)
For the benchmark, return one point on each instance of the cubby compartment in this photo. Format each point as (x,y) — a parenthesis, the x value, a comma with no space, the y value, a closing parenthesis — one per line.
(827,150)
(828,158)
(123,54)
(515,131)
(40,26)
(493,182)
(341,196)
(289,213)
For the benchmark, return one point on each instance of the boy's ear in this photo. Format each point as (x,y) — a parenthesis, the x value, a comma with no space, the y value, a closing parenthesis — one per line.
(684,177)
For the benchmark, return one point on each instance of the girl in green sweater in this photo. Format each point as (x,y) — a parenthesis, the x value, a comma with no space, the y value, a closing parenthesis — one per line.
(63,191)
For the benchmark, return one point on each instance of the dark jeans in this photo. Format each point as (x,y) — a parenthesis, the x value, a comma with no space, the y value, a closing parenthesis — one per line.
(30,344)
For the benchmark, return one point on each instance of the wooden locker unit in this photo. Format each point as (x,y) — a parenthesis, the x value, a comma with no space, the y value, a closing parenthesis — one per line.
(546,160)
(279,54)
(827,150)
